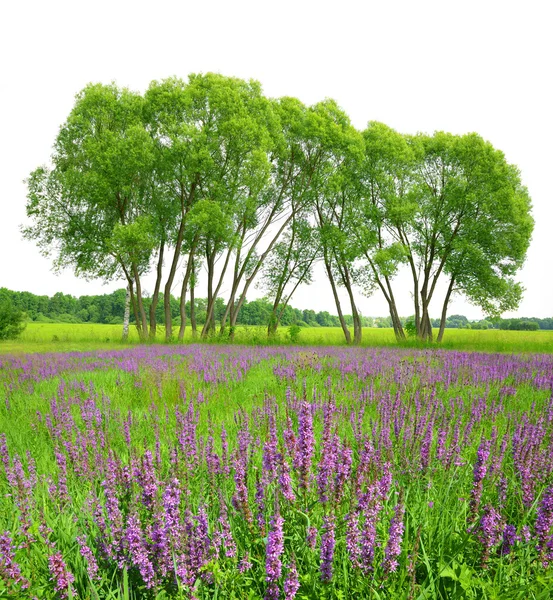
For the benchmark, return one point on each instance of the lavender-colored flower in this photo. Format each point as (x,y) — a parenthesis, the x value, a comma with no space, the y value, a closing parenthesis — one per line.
(509,539)
(245,563)
(60,575)
(270,452)
(225,534)
(306,444)
(292,582)
(353,538)
(88,555)
(393,547)
(138,555)
(275,548)
(285,481)
(311,538)
(9,569)
(544,520)
(489,531)
(480,470)
(328,541)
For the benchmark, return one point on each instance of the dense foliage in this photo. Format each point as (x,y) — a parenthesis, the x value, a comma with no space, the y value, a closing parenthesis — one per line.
(12,320)
(209,173)
(239,472)
(110,308)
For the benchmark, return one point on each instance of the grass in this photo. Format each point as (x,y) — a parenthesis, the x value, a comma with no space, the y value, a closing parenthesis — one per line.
(60,337)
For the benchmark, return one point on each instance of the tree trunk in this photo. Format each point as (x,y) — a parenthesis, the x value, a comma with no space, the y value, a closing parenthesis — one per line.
(444,309)
(193,323)
(210,317)
(155,297)
(127,316)
(357,330)
(141,312)
(345,329)
(183,297)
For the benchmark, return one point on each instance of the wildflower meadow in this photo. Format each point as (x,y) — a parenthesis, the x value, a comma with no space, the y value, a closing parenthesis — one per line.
(242,472)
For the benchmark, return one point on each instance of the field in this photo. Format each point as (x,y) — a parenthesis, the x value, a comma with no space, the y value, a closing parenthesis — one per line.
(212,471)
(58,337)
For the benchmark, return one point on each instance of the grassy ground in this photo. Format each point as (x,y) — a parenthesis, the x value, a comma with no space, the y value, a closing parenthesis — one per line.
(60,337)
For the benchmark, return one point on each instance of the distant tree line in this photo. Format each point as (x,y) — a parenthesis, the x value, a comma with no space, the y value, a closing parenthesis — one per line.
(211,174)
(110,309)
(514,324)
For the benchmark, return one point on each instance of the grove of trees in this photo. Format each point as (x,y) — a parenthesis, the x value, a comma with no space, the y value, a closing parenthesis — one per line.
(210,174)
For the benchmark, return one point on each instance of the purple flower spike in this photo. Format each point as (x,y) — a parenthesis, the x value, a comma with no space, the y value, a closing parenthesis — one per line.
(61,577)
(393,548)
(275,548)
(292,582)
(328,542)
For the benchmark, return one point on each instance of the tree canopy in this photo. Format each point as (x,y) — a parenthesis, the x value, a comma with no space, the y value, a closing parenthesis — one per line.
(210,174)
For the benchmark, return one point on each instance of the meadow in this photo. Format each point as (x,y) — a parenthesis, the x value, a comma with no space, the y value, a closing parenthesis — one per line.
(212,471)
(60,337)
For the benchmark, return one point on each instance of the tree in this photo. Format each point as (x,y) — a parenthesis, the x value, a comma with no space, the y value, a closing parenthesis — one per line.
(92,210)
(443,205)
(12,320)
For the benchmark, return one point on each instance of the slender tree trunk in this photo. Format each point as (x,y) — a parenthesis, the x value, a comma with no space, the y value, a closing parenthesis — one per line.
(236,308)
(390,299)
(127,316)
(183,296)
(396,321)
(193,323)
(155,297)
(140,303)
(135,311)
(345,329)
(357,330)
(169,283)
(444,309)
(274,319)
(210,317)
(185,208)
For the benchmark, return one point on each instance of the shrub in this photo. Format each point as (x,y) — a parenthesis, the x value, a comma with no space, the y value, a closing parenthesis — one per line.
(294,333)
(41,318)
(411,327)
(12,320)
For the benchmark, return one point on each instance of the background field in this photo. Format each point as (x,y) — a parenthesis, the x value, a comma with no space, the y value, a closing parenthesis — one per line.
(59,337)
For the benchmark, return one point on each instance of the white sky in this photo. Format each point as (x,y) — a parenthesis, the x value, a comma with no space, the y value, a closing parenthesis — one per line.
(417,66)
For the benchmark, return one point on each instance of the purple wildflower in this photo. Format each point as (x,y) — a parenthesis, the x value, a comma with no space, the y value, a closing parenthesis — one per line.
(291,583)
(328,542)
(138,556)
(275,548)
(544,520)
(61,577)
(87,554)
(306,444)
(393,547)
(9,569)
(489,531)
(311,538)
(245,563)
(509,539)
(480,470)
